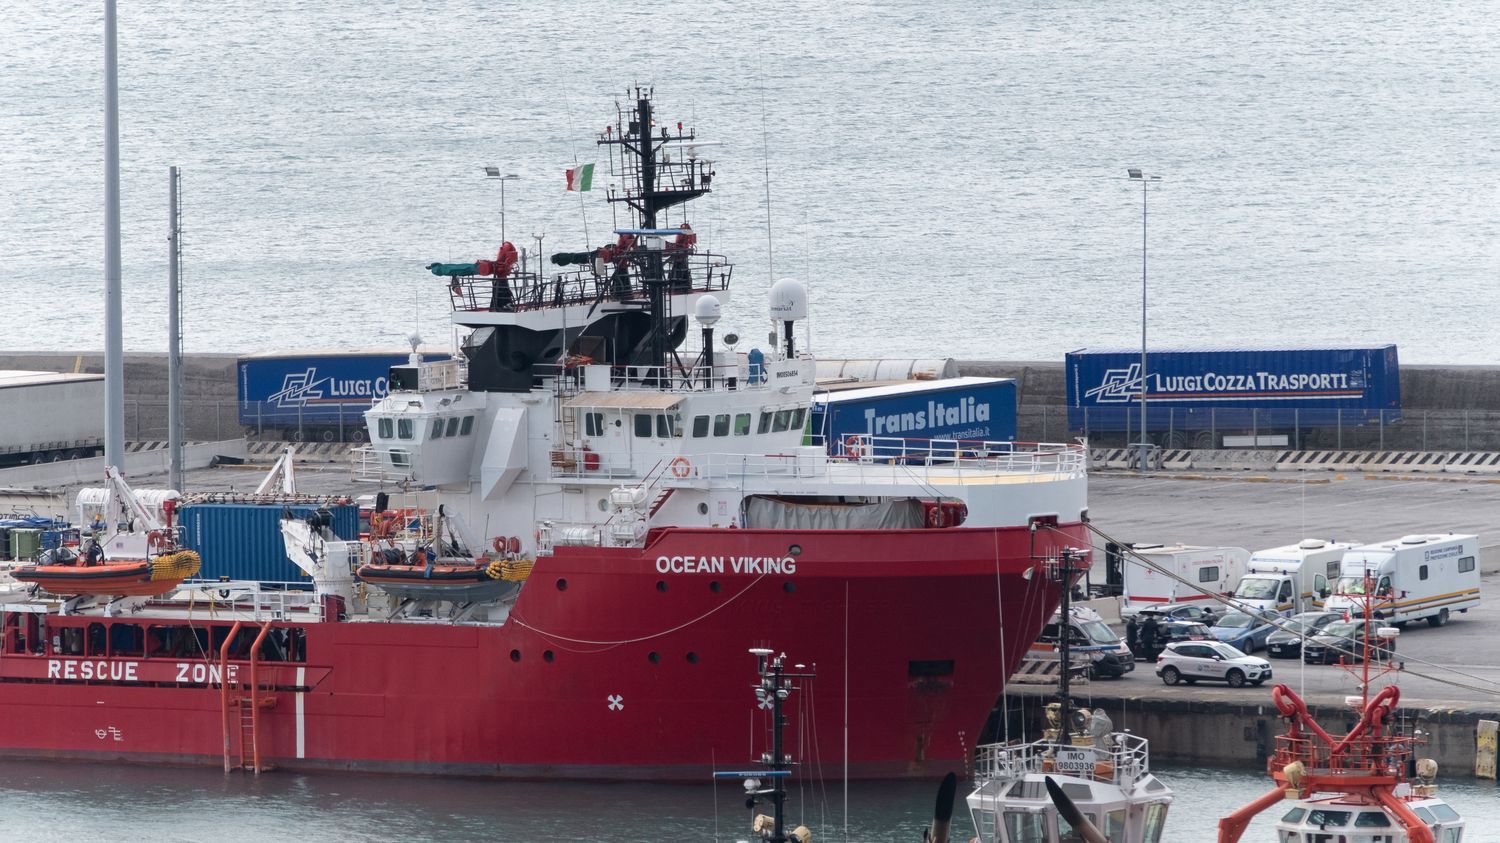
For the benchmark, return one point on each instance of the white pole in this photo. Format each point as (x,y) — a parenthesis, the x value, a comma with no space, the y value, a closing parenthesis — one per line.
(114,355)
(1145,440)
(174,337)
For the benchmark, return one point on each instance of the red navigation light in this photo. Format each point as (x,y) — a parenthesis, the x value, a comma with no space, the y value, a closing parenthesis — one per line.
(679,125)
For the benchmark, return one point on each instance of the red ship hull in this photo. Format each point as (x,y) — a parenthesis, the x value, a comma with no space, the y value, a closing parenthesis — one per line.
(615,663)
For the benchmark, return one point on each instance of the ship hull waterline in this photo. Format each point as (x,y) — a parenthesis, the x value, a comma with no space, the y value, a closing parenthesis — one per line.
(614,664)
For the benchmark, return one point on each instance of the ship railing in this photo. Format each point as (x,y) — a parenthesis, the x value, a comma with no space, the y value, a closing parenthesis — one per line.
(997,455)
(369,467)
(682,272)
(254,600)
(1122,759)
(583,375)
(438,375)
(1365,757)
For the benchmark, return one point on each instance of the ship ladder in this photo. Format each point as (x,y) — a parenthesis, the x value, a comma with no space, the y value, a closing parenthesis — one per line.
(240,703)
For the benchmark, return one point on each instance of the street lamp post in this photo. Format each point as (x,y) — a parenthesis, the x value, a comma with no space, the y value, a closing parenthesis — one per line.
(494,173)
(1146,179)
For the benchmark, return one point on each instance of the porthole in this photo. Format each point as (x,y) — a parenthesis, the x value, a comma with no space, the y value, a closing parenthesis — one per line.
(715,587)
(702,509)
(562,584)
(794,550)
(654,657)
(547,655)
(603,505)
(692,657)
(789,587)
(661,585)
(515,655)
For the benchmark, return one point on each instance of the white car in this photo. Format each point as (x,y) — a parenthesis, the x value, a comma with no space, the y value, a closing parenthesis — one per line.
(1190,661)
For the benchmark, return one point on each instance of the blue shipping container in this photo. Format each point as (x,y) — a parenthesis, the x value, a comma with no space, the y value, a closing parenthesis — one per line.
(1196,389)
(242,541)
(323,389)
(974,409)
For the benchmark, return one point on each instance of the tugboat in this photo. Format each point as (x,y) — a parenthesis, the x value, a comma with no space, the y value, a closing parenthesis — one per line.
(142,559)
(656,480)
(1366,785)
(1081,778)
(776,682)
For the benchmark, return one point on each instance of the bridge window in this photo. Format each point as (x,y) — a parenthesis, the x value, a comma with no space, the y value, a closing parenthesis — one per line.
(665,426)
(765,422)
(468,426)
(386,429)
(783,420)
(406,429)
(453,426)
(593,424)
(700,427)
(742,424)
(721,424)
(643,425)
(797,418)
(437,429)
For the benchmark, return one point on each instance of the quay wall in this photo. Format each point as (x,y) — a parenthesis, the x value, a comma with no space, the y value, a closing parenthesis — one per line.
(1444,407)
(1218,732)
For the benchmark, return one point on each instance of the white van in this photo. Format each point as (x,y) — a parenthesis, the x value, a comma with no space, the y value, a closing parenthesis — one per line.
(1215,569)
(1413,577)
(1291,579)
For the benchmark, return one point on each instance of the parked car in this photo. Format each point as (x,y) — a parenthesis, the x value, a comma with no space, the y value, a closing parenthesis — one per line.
(1346,639)
(1170,632)
(1286,642)
(1243,631)
(1191,661)
(1181,612)
(1091,640)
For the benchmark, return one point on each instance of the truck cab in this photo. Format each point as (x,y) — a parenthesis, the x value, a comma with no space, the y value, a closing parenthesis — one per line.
(1410,578)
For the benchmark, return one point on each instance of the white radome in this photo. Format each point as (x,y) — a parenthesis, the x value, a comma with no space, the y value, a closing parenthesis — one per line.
(788,300)
(708,310)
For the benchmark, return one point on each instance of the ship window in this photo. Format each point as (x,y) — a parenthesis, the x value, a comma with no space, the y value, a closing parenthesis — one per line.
(127,639)
(721,424)
(700,427)
(1453,835)
(406,429)
(96,639)
(1156,817)
(1114,826)
(593,423)
(1324,819)
(665,429)
(643,425)
(400,458)
(1065,831)
(453,426)
(1444,813)
(67,641)
(1208,573)
(1372,819)
(1466,564)
(783,420)
(1026,827)
(386,428)
(1295,815)
(742,428)
(467,427)
(437,429)
(797,418)
(765,422)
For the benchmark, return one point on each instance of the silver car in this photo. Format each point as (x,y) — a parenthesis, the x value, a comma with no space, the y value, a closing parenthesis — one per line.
(1190,661)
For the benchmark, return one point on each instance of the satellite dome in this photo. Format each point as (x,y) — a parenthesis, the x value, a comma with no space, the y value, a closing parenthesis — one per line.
(788,300)
(707,310)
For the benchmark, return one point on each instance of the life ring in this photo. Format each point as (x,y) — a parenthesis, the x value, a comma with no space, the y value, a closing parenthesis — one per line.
(936,518)
(853,446)
(498,544)
(681,467)
(156,541)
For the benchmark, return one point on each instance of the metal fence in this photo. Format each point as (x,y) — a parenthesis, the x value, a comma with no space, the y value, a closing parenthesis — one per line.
(1404,430)
(215,420)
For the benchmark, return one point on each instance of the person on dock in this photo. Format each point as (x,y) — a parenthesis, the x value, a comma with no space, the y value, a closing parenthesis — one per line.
(1132,633)
(1148,636)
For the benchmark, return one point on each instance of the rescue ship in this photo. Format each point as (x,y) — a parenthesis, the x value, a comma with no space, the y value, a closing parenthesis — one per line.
(653,507)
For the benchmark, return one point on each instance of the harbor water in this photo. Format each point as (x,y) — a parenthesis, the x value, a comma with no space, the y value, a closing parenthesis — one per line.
(42,802)
(1330,166)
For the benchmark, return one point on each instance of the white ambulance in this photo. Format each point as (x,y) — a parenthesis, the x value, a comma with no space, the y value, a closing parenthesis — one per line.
(1291,579)
(1215,569)
(1411,577)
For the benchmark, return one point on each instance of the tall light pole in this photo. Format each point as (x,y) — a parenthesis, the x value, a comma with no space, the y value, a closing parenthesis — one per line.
(494,173)
(114,353)
(1146,180)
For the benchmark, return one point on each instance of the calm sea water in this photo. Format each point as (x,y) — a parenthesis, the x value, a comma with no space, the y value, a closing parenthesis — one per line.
(948,175)
(67,802)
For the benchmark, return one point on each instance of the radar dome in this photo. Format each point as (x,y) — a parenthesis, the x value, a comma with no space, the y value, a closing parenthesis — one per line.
(788,300)
(707,310)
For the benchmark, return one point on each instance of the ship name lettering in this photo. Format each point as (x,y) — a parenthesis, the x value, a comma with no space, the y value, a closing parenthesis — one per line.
(719,564)
(102,669)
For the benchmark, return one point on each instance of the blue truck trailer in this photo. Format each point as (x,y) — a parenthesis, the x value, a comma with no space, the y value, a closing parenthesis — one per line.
(310,396)
(967,409)
(1232,397)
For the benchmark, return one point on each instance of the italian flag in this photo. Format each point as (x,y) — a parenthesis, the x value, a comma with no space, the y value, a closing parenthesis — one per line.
(581,177)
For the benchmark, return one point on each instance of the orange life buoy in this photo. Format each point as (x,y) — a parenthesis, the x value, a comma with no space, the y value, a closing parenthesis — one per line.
(498,544)
(853,446)
(681,467)
(936,517)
